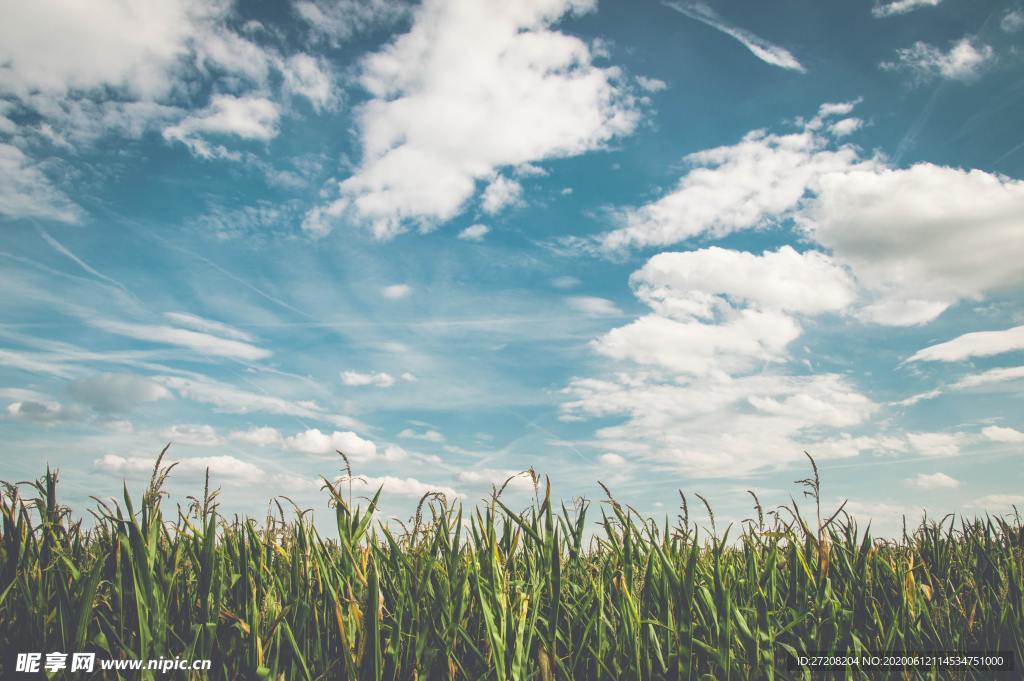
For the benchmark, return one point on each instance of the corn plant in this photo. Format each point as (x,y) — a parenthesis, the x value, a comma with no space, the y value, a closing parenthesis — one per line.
(589,591)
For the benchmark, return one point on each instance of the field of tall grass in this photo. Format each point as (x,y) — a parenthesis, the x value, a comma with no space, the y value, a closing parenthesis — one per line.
(497,593)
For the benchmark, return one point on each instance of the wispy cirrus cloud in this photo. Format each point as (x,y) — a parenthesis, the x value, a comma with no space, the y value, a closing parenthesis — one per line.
(896,7)
(202,343)
(762,49)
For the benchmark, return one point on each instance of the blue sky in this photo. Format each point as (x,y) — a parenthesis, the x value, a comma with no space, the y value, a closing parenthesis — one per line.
(664,245)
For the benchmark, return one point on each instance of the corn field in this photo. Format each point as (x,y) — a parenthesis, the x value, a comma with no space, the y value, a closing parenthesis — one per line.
(589,591)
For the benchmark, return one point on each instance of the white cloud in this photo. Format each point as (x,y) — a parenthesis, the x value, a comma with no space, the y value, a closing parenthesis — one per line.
(651,85)
(723,426)
(378,380)
(593,306)
(116,392)
(264,436)
(407,487)
(888,9)
(611,459)
(964,61)
(208,326)
(500,192)
(42,412)
(565,282)
(396,291)
(518,481)
(1013,21)
(313,441)
(987,377)
(998,502)
(845,126)
(1002,434)
(246,117)
(395,453)
(54,46)
(202,343)
(339,20)
(936,444)
(427,435)
(26,192)
(917,239)
(232,400)
(921,238)
(750,184)
(721,310)
(707,282)
(112,67)
(474,232)
(192,434)
(224,467)
(304,75)
(933,481)
(409,377)
(975,344)
(759,47)
(473,87)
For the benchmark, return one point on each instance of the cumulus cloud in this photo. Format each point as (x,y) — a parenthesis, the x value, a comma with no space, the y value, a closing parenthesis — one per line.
(611,459)
(692,385)
(845,126)
(202,343)
(306,76)
(226,468)
(759,47)
(472,88)
(593,306)
(200,435)
(475,232)
(43,412)
(113,67)
(1002,434)
(888,9)
(407,487)
(975,344)
(750,184)
(337,21)
(964,61)
(933,481)
(709,281)
(936,444)
(54,46)
(26,192)
(917,239)
(998,502)
(517,481)
(923,237)
(721,310)
(116,392)
(720,425)
(246,117)
(313,441)
(263,436)
(500,192)
(378,380)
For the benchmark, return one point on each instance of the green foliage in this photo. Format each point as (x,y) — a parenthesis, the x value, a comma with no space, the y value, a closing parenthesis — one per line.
(495,594)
